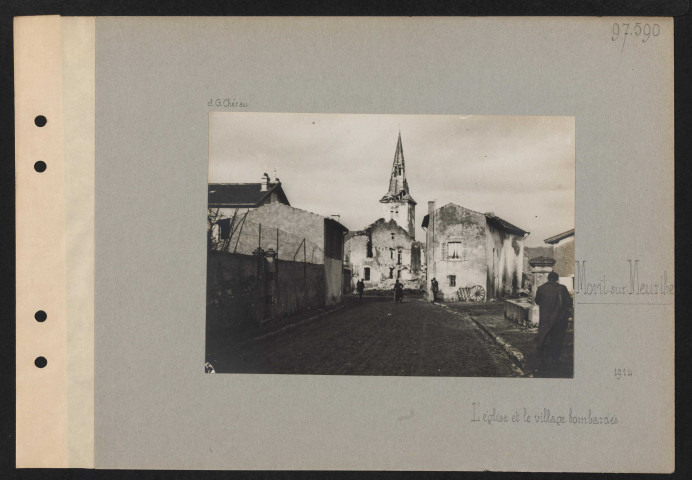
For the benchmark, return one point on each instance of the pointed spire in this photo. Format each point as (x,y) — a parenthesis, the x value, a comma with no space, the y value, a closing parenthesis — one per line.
(398,154)
(398,185)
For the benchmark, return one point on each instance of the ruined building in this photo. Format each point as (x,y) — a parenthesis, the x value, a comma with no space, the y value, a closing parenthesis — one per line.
(386,250)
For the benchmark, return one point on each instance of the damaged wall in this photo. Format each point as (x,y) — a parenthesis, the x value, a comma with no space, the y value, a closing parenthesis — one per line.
(389,252)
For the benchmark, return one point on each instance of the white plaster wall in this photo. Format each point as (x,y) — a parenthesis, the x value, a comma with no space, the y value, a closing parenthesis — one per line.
(333,276)
(508,263)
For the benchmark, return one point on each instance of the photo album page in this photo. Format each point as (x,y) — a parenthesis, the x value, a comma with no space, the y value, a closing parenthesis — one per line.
(311,243)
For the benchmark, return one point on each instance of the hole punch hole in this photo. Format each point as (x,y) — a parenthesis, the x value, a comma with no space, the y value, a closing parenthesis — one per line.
(40,362)
(40,316)
(40,121)
(40,166)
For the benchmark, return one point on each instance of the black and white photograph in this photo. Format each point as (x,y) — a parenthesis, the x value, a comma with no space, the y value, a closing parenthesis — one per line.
(390,245)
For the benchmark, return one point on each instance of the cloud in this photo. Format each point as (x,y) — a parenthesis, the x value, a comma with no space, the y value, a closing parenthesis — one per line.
(521,168)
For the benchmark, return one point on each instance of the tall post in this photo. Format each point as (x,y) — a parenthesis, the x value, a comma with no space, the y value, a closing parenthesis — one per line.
(259,287)
(430,267)
(305,264)
(277,293)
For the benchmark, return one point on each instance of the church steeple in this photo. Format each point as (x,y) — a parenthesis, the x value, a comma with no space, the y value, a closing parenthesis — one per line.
(398,186)
(397,181)
(398,205)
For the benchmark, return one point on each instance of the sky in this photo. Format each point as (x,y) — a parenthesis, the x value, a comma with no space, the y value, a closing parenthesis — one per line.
(519,168)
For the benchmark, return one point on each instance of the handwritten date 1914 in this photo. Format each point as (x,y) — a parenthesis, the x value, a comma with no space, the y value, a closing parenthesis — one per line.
(622,372)
(643,31)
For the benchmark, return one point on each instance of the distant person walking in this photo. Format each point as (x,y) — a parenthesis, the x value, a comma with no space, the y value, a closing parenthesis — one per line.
(360,286)
(434,287)
(555,305)
(398,292)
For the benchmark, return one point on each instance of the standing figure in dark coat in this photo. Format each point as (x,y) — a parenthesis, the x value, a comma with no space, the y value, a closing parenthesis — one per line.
(360,286)
(398,292)
(555,304)
(434,287)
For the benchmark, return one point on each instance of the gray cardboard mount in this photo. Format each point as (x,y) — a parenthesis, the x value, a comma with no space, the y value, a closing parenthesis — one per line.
(154,406)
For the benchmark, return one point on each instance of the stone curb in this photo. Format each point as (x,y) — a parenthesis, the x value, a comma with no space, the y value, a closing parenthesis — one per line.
(513,353)
(516,356)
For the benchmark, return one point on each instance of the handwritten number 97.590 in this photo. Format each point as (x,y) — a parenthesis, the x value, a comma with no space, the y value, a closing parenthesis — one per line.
(639,30)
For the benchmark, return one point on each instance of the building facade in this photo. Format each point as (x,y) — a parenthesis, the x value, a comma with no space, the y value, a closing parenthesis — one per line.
(297,235)
(472,255)
(563,252)
(386,250)
(228,203)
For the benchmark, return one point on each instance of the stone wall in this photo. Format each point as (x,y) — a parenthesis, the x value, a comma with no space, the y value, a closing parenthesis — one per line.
(233,298)
(300,287)
(236,289)
(563,254)
(534,252)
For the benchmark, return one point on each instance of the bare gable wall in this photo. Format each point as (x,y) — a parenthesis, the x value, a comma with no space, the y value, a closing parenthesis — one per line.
(453,224)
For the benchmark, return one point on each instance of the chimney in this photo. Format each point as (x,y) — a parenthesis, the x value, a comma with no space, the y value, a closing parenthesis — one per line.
(264,184)
(431,207)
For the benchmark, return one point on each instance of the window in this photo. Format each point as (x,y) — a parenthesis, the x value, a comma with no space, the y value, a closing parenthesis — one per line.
(391,253)
(224,228)
(398,257)
(452,280)
(398,274)
(369,249)
(391,273)
(454,251)
(392,235)
(366,273)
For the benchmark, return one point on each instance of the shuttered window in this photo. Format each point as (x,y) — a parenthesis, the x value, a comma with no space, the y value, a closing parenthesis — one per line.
(454,250)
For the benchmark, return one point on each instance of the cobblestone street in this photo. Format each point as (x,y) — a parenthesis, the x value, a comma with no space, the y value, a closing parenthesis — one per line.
(374,337)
